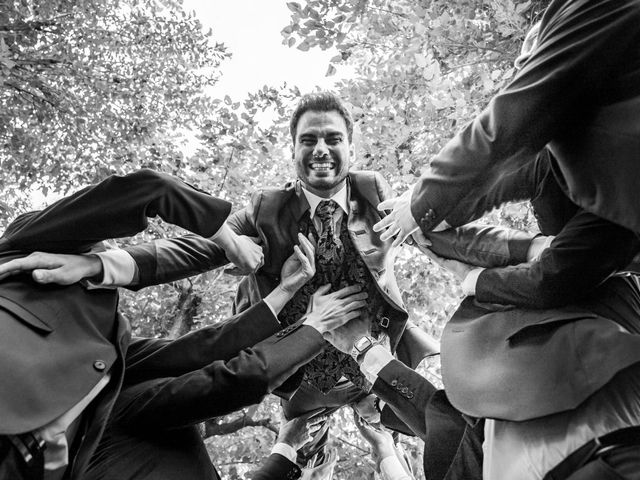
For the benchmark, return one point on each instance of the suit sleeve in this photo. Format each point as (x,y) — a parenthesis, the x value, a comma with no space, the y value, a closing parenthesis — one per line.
(117,207)
(406,392)
(167,260)
(222,386)
(482,246)
(147,358)
(277,467)
(453,447)
(581,46)
(583,255)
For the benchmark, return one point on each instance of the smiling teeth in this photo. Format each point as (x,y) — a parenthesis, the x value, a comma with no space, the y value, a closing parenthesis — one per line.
(321,166)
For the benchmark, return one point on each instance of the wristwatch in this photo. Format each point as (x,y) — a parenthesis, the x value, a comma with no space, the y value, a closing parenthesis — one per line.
(362,346)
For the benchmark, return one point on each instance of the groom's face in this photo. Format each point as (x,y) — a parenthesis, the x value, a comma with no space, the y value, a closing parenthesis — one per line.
(322,152)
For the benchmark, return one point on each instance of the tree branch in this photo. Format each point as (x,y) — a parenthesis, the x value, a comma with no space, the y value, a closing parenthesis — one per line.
(211,428)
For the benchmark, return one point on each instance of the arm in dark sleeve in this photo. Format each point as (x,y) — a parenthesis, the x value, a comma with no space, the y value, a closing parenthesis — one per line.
(222,386)
(515,186)
(482,246)
(584,254)
(409,405)
(116,207)
(167,260)
(157,358)
(582,44)
(277,467)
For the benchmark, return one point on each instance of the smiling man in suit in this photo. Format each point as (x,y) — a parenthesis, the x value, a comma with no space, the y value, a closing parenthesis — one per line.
(335,206)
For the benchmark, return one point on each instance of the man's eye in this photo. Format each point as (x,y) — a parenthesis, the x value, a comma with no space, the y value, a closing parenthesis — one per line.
(334,140)
(307,141)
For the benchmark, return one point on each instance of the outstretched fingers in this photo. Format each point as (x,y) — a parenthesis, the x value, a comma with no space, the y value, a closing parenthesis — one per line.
(308,249)
(346,291)
(36,260)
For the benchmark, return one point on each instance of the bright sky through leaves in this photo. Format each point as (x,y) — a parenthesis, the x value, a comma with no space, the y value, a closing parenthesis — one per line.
(251,31)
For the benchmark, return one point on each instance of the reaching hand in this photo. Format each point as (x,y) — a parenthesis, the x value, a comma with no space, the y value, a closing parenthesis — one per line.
(54,267)
(345,336)
(366,409)
(400,222)
(299,431)
(380,440)
(299,268)
(244,252)
(330,311)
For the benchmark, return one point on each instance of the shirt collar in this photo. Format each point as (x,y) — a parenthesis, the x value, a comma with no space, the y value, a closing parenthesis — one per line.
(340,197)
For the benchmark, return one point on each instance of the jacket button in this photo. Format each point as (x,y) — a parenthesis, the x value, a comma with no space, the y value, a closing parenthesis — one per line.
(404,390)
(99,365)
(394,383)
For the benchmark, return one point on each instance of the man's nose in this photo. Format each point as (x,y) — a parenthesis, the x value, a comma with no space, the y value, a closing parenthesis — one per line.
(321,149)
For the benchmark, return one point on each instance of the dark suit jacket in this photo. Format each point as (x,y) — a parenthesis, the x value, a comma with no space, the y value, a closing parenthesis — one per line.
(579,92)
(501,360)
(513,362)
(274,215)
(57,341)
(169,386)
(277,467)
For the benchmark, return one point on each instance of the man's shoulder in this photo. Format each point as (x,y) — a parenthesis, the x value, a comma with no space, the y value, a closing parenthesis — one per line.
(270,201)
(370,185)
(365,176)
(275,194)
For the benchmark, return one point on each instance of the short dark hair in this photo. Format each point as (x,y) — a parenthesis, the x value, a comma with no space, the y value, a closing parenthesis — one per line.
(320,102)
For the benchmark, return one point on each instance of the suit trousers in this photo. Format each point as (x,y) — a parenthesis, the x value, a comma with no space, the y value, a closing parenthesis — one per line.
(307,398)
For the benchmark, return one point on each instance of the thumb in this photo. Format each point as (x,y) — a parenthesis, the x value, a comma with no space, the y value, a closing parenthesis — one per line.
(387,204)
(323,289)
(49,276)
(312,240)
(235,272)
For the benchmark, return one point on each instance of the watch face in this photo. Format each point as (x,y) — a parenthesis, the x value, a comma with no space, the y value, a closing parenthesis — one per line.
(362,343)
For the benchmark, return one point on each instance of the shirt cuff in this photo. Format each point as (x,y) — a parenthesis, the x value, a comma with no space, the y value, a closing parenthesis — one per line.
(443,225)
(118,267)
(273,311)
(286,450)
(469,282)
(538,245)
(276,300)
(391,469)
(217,234)
(374,360)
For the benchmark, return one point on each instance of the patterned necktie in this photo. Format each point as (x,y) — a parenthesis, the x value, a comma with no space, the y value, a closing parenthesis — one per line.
(330,251)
